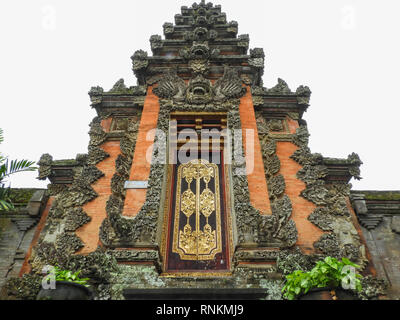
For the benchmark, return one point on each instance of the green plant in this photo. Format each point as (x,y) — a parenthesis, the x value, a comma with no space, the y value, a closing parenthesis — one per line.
(69,276)
(329,273)
(8,168)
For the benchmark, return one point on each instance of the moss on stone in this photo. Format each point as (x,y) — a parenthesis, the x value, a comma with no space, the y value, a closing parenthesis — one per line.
(4,223)
(381,195)
(25,288)
(21,197)
(65,162)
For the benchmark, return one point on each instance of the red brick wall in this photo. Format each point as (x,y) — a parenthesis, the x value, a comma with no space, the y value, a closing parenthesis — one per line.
(308,233)
(89,233)
(257,182)
(140,170)
(26,268)
(96,209)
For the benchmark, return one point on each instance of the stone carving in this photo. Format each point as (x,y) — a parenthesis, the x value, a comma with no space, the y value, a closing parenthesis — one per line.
(89,174)
(25,288)
(96,95)
(128,141)
(229,86)
(304,157)
(171,87)
(117,184)
(272,165)
(372,288)
(243,41)
(199,89)
(255,256)
(275,125)
(96,133)
(258,91)
(199,66)
(143,228)
(311,173)
(332,214)
(68,243)
(289,261)
(116,229)
(123,164)
(44,163)
(96,155)
(119,86)
(76,218)
(303,95)
(58,245)
(168,29)
(322,219)
(300,138)
(254,230)
(276,229)
(246,79)
(276,186)
(280,88)
(354,170)
(233,28)
(155,42)
(136,256)
(179,20)
(329,245)
(247,218)
(199,51)
(55,189)
(97,265)
(257,57)
(139,60)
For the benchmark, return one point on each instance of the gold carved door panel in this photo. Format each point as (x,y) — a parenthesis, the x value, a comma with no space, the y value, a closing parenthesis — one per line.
(195,237)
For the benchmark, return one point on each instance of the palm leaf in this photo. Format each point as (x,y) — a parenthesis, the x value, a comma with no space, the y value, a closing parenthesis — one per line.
(8,168)
(4,205)
(5,202)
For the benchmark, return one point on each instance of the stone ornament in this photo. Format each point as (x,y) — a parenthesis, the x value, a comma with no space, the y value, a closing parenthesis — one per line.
(200,90)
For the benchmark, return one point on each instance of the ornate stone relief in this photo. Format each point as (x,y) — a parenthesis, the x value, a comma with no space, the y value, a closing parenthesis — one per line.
(199,51)
(276,229)
(332,214)
(171,87)
(199,89)
(140,60)
(59,242)
(44,163)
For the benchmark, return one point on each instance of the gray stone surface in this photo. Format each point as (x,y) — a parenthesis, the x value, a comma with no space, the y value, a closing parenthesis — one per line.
(380,224)
(17,229)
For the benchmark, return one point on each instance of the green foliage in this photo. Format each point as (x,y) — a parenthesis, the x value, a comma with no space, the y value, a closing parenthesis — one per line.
(8,168)
(69,276)
(5,202)
(329,273)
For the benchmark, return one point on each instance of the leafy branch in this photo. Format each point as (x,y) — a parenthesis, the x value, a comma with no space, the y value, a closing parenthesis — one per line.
(68,276)
(329,273)
(8,168)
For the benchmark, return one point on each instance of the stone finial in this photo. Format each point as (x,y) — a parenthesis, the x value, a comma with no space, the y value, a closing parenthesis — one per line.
(119,86)
(45,163)
(280,88)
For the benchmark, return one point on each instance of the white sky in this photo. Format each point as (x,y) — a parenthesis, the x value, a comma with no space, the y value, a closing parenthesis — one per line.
(347,52)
